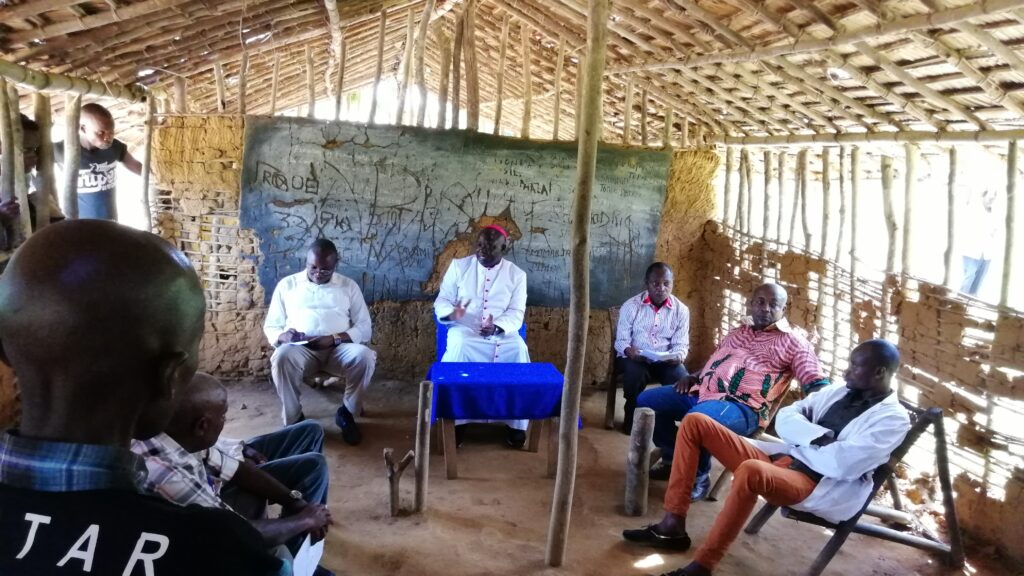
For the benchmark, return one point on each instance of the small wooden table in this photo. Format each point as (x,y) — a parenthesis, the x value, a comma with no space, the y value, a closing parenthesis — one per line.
(497,391)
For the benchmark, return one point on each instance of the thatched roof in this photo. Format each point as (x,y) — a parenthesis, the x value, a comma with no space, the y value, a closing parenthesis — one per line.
(733,67)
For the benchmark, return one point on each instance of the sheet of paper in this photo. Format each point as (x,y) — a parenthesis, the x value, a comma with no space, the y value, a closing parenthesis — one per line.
(299,343)
(658,356)
(307,558)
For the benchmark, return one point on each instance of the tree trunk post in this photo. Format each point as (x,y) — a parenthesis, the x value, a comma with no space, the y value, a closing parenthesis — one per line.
(500,89)
(524,37)
(460,35)
(472,70)
(638,462)
(627,112)
(559,66)
(444,80)
(44,117)
(147,164)
(72,153)
(218,74)
(1011,218)
(276,76)
(243,82)
(180,95)
(379,69)
(947,277)
(310,84)
(730,164)
(419,49)
(422,462)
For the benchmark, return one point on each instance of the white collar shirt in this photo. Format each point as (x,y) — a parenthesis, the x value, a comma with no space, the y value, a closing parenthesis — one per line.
(318,309)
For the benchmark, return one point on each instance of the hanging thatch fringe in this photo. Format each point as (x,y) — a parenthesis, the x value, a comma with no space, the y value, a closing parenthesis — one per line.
(643,117)
(419,52)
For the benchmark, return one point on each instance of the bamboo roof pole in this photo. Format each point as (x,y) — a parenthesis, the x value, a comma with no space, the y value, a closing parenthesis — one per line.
(559,65)
(379,69)
(72,153)
(643,116)
(339,86)
(697,111)
(915,136)
(218,74)
(878,31)
(310,84)
(243,82)
(1011,223)
(826,198)
(909,192)
(627,112)
(460,34)
(781,172)
(734,105)
(730,163)
(893,230)
(469,53)
(180,95)
(779,95)
(20,180)
(951,207)
(45,163)
(275,77)
(444,77)
(579,281)
(524,36)
(405,70)
(419,50)
(666,135)
(794,75)
(500,81)
(90,22)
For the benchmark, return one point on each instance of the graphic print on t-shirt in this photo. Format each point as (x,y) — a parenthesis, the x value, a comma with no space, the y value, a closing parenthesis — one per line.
(100,177)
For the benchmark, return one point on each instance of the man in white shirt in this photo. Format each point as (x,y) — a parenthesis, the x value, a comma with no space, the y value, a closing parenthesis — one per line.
(832,441)
(483,300)
(318,321)
(652,338)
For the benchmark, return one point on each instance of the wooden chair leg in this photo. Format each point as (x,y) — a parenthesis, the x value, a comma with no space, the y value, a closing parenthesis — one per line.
(609,407)
(723,479)
(759,519)
(829,551)
(448,440)
(533,433)
(894,491)
(552,425)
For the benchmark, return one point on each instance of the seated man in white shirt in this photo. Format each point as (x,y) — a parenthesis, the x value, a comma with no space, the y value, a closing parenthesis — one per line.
(832,441)
(483,299)
(652,338)
(318,321)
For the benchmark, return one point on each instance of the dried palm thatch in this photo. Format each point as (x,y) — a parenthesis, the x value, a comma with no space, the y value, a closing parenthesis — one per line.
(774,71)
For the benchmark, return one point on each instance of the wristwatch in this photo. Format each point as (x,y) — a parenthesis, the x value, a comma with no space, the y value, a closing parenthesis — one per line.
(337,339)
(295,495)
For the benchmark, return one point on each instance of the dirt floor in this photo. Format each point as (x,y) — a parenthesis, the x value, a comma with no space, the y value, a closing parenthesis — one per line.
(493,519)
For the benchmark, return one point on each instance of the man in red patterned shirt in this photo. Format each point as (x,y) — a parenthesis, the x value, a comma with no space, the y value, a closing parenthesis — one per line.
(745,375)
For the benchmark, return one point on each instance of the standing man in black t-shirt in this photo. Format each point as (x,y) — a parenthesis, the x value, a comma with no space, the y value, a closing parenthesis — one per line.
(97,169)
(102,325)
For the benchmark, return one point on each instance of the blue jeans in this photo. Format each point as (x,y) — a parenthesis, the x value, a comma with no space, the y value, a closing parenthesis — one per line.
(670,406)
(294,458)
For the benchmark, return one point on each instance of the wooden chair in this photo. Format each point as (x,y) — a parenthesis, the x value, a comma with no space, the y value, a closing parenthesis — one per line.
(612,380)
(953,551)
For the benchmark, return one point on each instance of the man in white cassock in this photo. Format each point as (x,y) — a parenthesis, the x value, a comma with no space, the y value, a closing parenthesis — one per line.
(483,301)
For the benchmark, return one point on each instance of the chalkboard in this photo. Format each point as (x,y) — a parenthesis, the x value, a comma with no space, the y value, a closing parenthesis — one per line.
(400,202)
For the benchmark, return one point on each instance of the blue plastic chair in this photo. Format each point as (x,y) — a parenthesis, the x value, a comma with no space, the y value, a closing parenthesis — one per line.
(442,337)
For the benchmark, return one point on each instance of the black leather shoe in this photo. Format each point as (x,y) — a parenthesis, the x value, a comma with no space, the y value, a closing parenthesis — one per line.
(516,438)
(701,487)
(660,471)
(349,430)
(648,536)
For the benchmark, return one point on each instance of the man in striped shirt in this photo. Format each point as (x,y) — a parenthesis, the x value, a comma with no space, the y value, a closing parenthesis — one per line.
(652,338)
(746,374)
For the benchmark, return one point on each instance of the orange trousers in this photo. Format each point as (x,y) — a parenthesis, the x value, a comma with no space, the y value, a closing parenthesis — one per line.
(754,474)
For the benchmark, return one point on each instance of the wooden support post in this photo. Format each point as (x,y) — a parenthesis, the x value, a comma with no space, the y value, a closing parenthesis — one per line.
(472,71)
(405,69)
(276,75)
(524,36)
(892,229)
(699,135)
(909,191)
(741,200)
(638,462)
(781,173)
(45,162)
(310,84)
(460,34)
(419,50)
(180,95)
(1011,226)
(686,132)
(339,85)
(379,69)
(218,74)
(394,474)
(243,82)
(627,112)
(444,80)
(730,164)
(500,89)
(643,117)
(805,177)
(795,205)
(666,135)
(72,153)
(767,210)
(147,163)
(6,143)
(947,277)
(422,464)
(559,65)
(748,196)
(854,203)
(956,544)
(551,428)
(581,74)
(448,447)
(826,199)
(579,281)
(838,260)
(20,181)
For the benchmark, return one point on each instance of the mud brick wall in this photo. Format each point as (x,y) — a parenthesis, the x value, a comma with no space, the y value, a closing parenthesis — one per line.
(197,167)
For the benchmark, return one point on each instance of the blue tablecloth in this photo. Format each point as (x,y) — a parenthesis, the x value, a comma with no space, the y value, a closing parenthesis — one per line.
(500,391)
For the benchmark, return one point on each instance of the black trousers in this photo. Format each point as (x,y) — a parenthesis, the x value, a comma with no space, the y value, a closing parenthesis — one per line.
(636,375)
